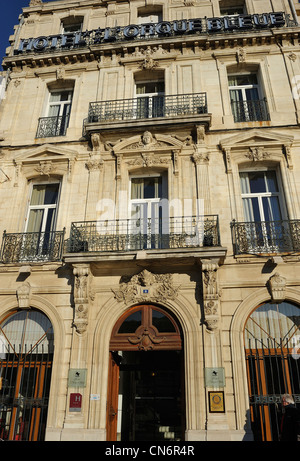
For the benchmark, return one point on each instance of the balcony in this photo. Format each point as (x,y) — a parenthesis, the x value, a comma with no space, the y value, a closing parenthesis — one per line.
(266,237)
(250,111)
(32,247)
(161,109)
(52,126)
(131,235)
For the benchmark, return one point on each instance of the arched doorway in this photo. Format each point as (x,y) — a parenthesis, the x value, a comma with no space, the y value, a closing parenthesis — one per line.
(146,379)
(271,333)
(26,356)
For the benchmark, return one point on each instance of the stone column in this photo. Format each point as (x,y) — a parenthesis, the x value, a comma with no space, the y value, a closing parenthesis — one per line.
(201,160)
(216,423)
(94,166)
(79,358)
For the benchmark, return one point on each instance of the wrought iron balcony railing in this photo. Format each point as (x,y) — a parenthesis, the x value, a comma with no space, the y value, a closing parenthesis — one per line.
(137,234)
(52,126)
(250,111)
(32,247)
(148,107)
(266,237)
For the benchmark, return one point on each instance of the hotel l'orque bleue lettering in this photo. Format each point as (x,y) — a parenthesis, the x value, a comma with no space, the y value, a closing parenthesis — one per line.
(153,30)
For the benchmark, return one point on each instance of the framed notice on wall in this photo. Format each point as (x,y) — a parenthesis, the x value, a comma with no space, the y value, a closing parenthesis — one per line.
(216,402)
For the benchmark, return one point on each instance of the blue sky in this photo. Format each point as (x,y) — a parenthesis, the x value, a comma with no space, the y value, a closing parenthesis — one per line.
(10,11)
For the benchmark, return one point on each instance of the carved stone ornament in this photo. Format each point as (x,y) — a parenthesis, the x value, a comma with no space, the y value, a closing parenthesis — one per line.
(94,163)
(277,287)
(24,296)
(146,286)
(257,154)
(146,340)
(45,168)
(81,300)
(241,55)
(148,63)
(211,295)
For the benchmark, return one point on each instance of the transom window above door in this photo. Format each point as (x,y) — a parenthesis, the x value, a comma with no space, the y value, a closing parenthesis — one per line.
(146,328)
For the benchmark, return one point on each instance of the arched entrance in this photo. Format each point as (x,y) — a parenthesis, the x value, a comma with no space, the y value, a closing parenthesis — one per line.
(26,356)
(271,334)
(146,379)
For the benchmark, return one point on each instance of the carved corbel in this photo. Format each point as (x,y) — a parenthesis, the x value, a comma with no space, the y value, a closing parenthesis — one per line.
(94,163)
(211,295)
(227,152)
(119,158)
(81,273)
(200,156)
(288,155)
(175,162)
(24,296)
(277,287)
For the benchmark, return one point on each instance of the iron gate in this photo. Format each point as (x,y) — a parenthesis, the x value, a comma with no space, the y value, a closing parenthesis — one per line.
(272,372)
(24,392)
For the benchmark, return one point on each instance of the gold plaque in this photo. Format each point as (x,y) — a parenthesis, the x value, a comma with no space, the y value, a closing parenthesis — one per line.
(216,402)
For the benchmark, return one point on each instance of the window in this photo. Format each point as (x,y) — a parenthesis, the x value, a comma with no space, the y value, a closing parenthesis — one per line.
(42,208)
(263,210)
(261,197)
(150,15)
(246,101)
(271,341)
(232,7)
(40,241)
(146,211)
(150,98)
(58,110)
(25,375)
(72,24)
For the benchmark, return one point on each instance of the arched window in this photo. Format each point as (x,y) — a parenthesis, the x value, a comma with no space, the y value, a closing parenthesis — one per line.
(271,344)
(26,355)
(145,328)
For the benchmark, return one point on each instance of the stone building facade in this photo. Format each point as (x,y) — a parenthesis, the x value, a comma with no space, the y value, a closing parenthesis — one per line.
(150,217)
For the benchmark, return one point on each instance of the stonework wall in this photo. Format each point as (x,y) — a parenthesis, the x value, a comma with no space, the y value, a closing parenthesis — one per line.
(201,157)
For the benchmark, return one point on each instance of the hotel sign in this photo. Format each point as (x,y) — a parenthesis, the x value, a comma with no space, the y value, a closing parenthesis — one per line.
(161,29)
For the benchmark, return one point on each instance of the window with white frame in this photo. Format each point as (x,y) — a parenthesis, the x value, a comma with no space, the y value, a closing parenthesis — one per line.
(43,207)
(246,98)
(57,114)
(40,240)
(266,227)
(261,196)
(150,97)
(147,213)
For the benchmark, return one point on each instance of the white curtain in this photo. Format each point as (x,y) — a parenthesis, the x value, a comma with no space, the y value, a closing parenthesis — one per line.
(270,322)
(28,330)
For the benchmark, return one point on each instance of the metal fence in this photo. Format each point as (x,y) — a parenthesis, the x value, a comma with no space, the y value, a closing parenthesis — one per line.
(24,392)
(52,126)
(148,107)
(250,111)
(32,246)
(266,236)
(139,234)
(272,371)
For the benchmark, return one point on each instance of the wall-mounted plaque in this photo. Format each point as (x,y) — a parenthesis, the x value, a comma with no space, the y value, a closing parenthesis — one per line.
(215,377)
(77,377)
(216,402)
